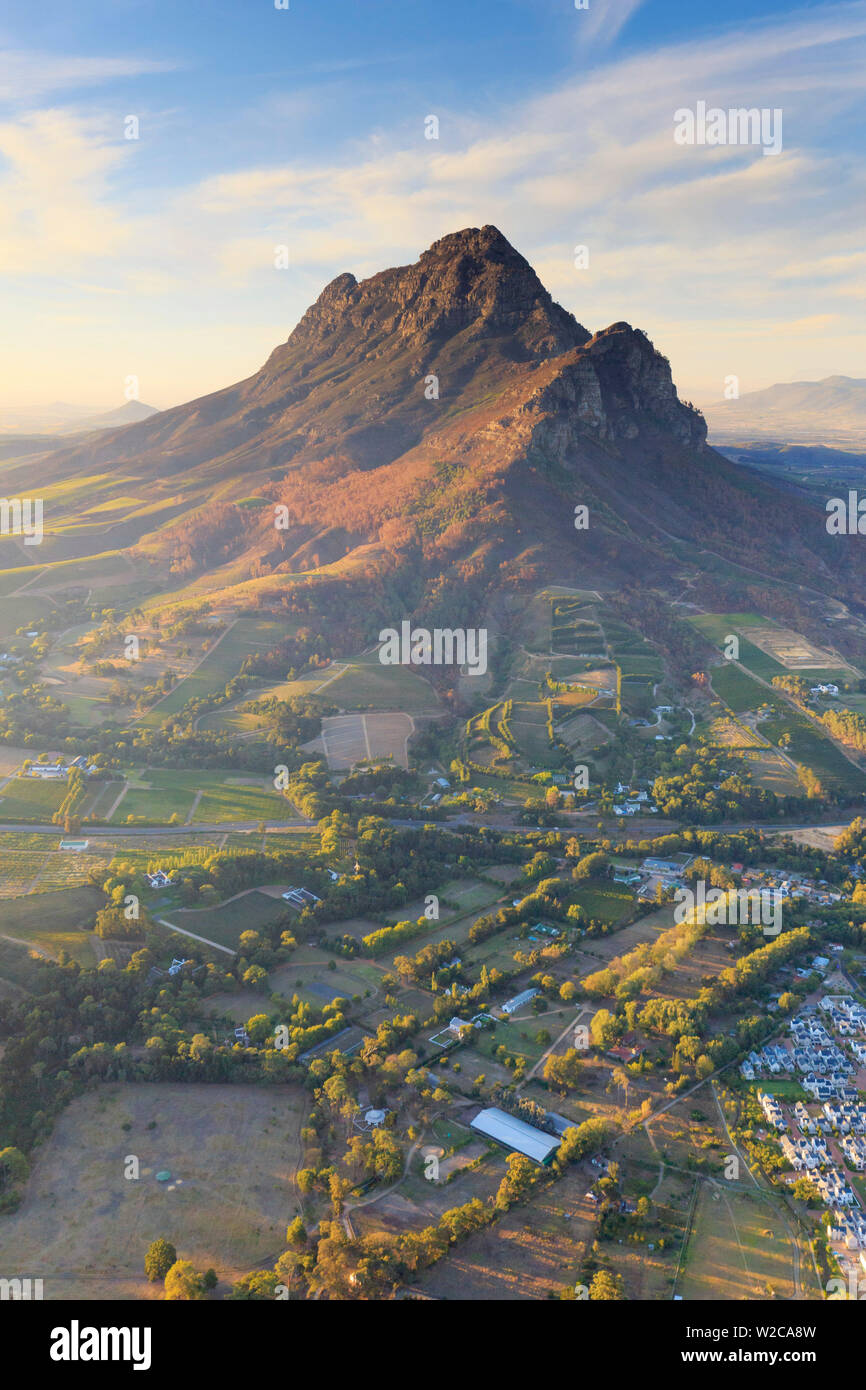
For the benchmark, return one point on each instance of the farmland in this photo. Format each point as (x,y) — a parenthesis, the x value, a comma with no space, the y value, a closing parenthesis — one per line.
(768,650)
(813,750)
(86,1227)
(48,923)
(244,637)
(739,1247)
(30,798)
(738,690)
(163,796)
(224,924)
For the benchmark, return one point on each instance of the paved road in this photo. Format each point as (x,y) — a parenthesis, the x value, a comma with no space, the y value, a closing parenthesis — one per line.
(89,832)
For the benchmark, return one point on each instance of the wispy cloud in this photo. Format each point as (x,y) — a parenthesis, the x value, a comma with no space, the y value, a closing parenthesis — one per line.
(30,76)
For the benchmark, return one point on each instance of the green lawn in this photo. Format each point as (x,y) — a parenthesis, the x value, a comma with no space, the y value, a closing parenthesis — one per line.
(602,900)
(788,1090)
(518,1038)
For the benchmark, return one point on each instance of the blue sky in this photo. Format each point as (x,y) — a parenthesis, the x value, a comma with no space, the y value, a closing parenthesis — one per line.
(304,128)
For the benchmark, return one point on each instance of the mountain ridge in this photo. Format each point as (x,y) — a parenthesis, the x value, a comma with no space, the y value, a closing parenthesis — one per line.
(832,408)
(443,420)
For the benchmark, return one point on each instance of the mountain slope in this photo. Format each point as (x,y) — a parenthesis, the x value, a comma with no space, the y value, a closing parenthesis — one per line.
(439,423)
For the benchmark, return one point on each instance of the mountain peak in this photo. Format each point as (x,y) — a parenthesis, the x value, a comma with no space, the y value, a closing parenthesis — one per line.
(470,282)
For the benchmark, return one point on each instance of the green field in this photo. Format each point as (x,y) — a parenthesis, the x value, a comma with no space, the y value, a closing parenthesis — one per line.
(519,1038)
(29,798)
(812,749)
(718,626)
(157,794)
(225,924)
(601,900)
(788,1090)
(246,637)
(49,923)
(737,689)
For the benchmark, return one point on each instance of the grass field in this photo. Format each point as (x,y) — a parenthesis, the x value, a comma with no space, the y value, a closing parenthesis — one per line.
(788,1090)
(308,974)
(601,900)
(768,769)
(366,684)
(232,1151)
(157,794)
(813,750)
(738,690)
(739,1247)
(29,798)
(246,637)
(453,925)
(49,923)
(224,924)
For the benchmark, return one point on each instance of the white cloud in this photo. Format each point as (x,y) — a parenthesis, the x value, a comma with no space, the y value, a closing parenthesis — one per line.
(718,252)
(55,212)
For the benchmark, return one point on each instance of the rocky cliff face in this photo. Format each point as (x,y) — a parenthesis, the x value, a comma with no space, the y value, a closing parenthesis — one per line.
(618,387)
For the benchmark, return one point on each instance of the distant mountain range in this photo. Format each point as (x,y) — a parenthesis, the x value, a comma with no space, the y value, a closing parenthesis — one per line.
(430,431)
(832,410)
(61,418)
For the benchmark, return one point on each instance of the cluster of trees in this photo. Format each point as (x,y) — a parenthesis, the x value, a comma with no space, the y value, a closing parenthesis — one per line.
(845,725)
(376,943)
(14,1171)
(331,1262)
(426,963)
(679,1018)
(181,1281)
(629,975)
(116,923)
(697,793)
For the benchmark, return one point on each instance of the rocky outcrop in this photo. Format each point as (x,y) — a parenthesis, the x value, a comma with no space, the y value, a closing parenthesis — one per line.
(616,387)
(471,280)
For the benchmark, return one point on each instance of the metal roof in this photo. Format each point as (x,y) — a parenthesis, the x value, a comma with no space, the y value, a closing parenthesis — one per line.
(515,1134)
